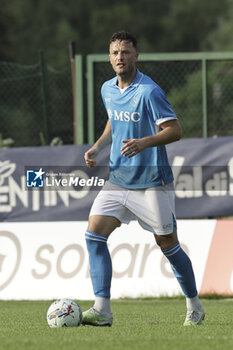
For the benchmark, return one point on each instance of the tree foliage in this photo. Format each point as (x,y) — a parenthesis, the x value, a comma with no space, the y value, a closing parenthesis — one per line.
(161,26)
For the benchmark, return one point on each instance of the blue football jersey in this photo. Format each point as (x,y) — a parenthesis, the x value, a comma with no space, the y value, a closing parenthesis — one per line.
(133,114)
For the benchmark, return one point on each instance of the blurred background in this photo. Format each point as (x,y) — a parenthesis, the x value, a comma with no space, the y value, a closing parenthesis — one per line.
(36,104)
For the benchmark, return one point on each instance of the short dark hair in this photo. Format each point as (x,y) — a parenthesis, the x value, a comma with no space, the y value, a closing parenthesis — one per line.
(124,35)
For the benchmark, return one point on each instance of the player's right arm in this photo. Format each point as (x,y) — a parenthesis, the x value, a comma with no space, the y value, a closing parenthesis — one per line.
(104,140)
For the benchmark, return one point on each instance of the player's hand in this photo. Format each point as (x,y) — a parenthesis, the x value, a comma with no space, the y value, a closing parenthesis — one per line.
(132,147)
(89,157)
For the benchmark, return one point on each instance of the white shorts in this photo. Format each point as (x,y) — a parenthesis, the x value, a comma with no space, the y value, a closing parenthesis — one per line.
(154,207)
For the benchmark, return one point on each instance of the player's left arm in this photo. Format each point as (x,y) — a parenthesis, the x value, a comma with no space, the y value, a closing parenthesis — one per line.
(171,132)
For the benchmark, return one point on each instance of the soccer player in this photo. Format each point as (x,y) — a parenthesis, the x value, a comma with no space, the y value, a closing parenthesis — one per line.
(140,123)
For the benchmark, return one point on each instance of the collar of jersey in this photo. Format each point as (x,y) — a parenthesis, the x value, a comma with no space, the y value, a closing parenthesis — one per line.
(135,82)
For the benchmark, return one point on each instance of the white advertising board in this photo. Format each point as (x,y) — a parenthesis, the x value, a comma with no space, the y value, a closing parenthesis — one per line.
(48,260)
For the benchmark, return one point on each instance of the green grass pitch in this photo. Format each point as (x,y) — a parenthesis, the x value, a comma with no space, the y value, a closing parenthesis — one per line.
(138,324)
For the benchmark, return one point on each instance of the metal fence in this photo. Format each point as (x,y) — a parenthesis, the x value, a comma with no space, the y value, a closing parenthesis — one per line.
(199,86)
(36,104)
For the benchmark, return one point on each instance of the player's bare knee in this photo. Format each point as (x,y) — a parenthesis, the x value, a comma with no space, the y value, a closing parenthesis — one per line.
(96,224)
(166,241)
(103,225)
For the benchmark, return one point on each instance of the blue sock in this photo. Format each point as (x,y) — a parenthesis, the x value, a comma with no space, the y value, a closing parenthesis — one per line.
(182,268)
(100,263)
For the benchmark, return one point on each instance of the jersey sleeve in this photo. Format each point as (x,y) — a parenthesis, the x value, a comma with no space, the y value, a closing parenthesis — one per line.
(159,107)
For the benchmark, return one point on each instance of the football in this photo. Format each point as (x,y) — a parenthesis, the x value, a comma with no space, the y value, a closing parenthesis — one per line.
(64,313)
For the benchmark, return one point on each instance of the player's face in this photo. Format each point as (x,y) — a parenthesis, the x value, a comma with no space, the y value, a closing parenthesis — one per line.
(123,57)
